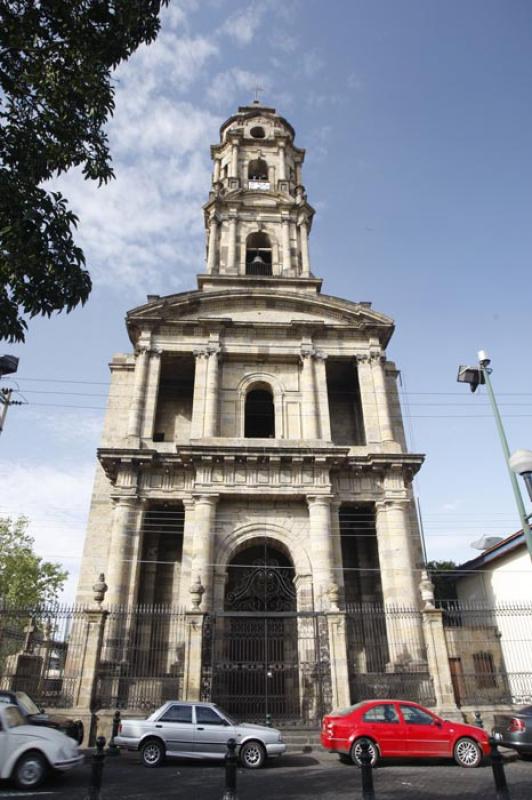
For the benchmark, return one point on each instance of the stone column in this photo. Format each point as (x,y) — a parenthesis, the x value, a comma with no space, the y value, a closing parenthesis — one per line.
(383,408)
(152,391)
(204,544)
(338,560)
(136,407)
(303,243)
(92,647)
(308,395)
(399,581)
(282,161)
(319,507)
(322,395)
(185,579)
(216,170)
(212,252)
(198,402)
(438,659)
(193,654)
(367,398)
(211,394)
(234,160)
(231,245)
(285,238)
(341,696)
(124,531)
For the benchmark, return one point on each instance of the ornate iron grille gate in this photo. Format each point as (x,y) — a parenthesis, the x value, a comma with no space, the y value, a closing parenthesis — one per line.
(260,666)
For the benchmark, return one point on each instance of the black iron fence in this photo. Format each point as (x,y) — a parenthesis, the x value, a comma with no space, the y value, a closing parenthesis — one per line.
(142,658)
(261,665)
(386,653)
(490,651)
(35,645)
(268,666)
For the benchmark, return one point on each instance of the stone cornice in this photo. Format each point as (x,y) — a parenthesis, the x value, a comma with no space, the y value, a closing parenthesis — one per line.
(194,454)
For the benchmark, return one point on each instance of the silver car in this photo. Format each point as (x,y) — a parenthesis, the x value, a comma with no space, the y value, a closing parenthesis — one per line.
(197,730)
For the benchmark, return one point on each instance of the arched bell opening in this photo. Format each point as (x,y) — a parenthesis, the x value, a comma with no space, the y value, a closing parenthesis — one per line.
(258,254)
(259,413)
(258,170)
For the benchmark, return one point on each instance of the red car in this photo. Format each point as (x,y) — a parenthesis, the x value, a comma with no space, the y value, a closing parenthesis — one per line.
(395,728)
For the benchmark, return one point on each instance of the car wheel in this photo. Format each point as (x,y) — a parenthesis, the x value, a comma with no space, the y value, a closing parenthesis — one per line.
(252,755)
(356,751)
(30,770)
(152,753)
(467,753)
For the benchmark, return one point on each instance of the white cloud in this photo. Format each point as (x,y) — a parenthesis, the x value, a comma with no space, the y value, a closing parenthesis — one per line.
(243,25)
(233,83)
(56,502)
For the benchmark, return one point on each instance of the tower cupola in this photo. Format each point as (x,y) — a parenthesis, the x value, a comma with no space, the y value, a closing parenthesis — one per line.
(257,218)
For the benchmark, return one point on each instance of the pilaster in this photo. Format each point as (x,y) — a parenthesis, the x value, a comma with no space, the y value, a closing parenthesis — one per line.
(308,394)
(319,507)
(381,394)
(204,544)
(322,395)
(136,408)
(152,391)
(211,393)
(201,355)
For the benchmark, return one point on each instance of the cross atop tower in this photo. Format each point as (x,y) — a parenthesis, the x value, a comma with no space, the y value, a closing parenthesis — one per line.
(257,90)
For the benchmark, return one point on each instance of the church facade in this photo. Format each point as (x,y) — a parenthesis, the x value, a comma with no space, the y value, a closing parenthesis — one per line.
(253,473)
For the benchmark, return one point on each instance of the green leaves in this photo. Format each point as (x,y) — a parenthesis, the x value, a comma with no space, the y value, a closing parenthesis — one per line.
(26,580)
(56,96)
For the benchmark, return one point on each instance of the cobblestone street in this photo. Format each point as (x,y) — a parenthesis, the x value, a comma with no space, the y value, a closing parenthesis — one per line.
(293,777)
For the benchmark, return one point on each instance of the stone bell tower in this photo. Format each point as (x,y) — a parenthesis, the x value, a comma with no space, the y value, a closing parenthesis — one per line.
(257,217)
(253,461)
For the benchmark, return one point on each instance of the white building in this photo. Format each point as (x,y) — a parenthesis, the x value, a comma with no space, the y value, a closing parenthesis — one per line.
(495,588)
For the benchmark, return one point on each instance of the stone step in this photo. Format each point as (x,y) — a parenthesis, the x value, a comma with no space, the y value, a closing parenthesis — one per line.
(301,740)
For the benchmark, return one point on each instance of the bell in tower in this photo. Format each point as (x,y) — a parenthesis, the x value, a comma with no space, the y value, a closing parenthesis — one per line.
(257,217)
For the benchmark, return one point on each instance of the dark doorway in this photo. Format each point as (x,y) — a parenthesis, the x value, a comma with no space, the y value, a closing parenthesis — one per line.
(259,415)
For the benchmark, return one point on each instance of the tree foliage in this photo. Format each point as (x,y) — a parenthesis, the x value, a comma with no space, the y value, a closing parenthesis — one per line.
(26,580)
(56,60)
(443,575)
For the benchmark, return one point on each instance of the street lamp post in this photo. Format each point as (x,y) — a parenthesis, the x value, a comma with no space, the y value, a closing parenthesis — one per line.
(476,376)
(8,365)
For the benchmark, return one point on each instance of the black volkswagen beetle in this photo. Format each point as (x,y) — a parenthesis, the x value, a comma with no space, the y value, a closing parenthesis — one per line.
(35,715)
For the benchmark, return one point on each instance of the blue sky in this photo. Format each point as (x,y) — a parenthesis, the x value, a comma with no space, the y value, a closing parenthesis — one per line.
(417,121)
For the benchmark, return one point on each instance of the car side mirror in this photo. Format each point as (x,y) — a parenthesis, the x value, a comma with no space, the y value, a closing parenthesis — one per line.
(437,722)
(42,710)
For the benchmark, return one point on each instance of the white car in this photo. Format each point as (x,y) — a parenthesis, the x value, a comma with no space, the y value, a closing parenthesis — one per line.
(28,752)
(197,730)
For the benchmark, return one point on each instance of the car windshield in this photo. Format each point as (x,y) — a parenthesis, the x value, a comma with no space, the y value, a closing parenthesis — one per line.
(27,703)
(13,717)
(229,719)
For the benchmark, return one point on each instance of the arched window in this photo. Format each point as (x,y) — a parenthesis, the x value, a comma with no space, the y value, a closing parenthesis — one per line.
(258,254)
(259,415)
(257,170)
